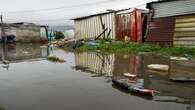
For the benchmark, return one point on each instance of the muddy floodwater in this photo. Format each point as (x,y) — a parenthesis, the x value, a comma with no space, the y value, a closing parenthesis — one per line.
(83,82)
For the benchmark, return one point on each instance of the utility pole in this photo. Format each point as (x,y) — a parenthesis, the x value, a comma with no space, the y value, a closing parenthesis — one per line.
(1,17)
(4,38)
(2,31)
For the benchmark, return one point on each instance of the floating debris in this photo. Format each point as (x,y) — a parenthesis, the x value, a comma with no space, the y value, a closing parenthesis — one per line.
(179,58)
(93,43)
(43,46)
(123,83)
(130,75)
(183,79)
(143,91)
(158,67)
(55,59)
(171,99)
(5,62)
(131,88)
(25,52)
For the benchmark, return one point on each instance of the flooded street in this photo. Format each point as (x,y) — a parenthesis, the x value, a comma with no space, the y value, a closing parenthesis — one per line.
(83,82)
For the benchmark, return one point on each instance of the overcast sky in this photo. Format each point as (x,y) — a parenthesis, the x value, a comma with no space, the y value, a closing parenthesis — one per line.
(55,12)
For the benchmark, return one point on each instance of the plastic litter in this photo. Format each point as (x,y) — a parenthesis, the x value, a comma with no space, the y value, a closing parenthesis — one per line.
(179,58)
(143,91)
(25,52)
(182,79)
(130,87)
(5,61)
(130,75)
(158,67)
(92,43)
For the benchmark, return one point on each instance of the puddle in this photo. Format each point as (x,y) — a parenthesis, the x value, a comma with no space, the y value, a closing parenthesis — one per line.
(84,81)
(116,65)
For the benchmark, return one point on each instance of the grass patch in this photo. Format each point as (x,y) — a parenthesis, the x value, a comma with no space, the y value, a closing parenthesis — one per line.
(121,47)
(55,59)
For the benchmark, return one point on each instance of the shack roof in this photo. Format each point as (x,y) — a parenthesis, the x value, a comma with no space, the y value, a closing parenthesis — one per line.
(101,13)
(22,23)
(158,1)
(167,8)
(27,23)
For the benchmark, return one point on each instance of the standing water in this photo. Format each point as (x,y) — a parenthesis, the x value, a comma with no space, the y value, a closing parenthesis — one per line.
(83,82)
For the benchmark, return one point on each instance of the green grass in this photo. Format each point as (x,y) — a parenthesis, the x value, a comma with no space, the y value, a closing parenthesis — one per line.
(121,47)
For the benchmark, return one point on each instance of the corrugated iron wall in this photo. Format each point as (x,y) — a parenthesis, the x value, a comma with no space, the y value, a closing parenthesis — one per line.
(173,8)
(178,30)
(91,27)
(185,31)
(123,23)
(160,30)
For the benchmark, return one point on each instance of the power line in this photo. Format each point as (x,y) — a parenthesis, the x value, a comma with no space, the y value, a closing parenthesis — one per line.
(58,8)
(36,15)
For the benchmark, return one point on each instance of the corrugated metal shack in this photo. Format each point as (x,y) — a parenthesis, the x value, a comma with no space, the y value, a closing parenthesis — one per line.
(116,24)
(131,24)
(172,22)
(24,32)
(91,26)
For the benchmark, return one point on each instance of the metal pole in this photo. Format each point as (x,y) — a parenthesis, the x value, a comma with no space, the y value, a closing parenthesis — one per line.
(2,30)
(4,39)
(1,17)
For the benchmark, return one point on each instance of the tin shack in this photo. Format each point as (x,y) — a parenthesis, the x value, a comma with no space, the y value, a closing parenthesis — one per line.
(23,32)
(172,22)
(115,24)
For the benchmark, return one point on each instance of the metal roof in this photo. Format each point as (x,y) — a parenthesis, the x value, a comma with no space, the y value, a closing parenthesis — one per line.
(158,1)
(101,13)
(167,8)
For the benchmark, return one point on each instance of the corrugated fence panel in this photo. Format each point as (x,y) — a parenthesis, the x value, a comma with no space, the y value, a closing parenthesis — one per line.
(185,31)
(173,8)
(161,30)
(91,27)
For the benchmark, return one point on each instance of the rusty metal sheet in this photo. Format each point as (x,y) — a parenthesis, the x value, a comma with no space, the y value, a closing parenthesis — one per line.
(161,30)
(130,25)
(139,25)
(133,27)
(122,26)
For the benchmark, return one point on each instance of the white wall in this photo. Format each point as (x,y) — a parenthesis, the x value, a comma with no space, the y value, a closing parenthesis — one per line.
(91,27)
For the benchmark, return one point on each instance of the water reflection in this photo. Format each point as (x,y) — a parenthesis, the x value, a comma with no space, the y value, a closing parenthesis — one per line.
(96,63)
(22,52)
(115,65)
